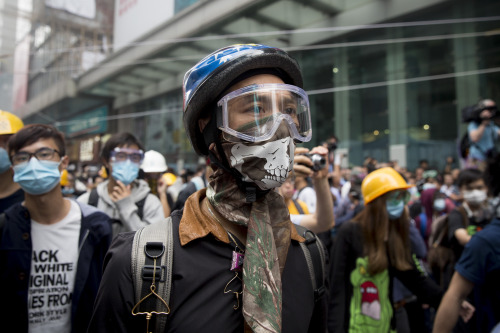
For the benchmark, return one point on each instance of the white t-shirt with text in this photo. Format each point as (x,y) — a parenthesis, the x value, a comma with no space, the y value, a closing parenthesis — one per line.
(53,270)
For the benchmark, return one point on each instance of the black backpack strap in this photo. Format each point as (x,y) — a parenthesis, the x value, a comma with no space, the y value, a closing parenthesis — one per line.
(298,206)
(93,197)
(140,206)
(316,260)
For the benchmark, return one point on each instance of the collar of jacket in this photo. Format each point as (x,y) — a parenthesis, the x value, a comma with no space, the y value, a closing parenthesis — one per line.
(195,224)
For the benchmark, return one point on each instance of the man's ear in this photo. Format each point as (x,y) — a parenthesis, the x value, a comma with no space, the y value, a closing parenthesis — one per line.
(64,163)
(105,163)
(202,123)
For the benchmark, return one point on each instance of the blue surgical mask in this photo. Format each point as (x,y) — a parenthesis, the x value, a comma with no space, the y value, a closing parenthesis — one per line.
(4,160)
(439,204)
(68,190)
(37,177)
(126,171)
(395,210)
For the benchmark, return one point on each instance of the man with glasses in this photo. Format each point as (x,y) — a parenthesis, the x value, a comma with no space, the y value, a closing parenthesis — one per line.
(126,199)
(51,248)
(10,191)
(238,262)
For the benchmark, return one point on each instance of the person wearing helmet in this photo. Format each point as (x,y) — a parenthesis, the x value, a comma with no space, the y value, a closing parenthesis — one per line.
(126,199)
(244,107)
(154,166)
(368,252)
(10,191)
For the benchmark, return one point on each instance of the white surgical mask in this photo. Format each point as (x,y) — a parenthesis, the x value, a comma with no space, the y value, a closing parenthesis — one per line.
(428,186)
(475,197)
(439,204)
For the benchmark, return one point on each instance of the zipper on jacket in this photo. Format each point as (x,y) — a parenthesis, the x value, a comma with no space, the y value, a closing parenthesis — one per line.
(83,240)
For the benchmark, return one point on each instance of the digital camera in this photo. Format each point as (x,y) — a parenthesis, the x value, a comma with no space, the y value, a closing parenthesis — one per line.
(318,161)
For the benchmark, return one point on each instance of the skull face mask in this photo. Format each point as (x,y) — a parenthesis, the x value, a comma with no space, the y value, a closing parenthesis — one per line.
(268,163)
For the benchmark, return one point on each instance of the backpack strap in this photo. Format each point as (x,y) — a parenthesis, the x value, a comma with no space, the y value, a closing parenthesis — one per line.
(316,260)
(140,206)
(298,206)
(150,242)
(93,197)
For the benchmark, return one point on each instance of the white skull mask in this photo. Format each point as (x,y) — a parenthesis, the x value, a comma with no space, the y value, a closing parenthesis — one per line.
(267,165)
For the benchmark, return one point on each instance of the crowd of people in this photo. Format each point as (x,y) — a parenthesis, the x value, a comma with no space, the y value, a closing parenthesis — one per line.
(397,250)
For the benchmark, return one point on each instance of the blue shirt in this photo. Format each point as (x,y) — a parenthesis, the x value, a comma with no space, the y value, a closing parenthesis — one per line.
(480,264)
(487,141)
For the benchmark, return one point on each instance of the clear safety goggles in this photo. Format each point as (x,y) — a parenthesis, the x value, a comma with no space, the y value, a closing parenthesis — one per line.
(124,154)
(255,112)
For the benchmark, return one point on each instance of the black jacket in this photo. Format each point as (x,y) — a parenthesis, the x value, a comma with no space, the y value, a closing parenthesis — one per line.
(197,301)
(15,265)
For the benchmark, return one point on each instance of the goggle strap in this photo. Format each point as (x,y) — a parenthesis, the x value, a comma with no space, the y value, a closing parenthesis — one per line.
(210,132)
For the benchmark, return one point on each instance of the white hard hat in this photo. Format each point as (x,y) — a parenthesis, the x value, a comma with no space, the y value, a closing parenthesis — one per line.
(154,162)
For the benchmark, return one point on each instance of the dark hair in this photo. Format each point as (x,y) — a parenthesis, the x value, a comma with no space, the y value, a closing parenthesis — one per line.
(119,140)
(200,168)
(30,134)
(468,176)
(187,173)
(374,221)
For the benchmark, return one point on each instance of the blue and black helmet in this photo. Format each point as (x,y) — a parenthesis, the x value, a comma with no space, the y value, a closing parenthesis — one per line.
(208,79)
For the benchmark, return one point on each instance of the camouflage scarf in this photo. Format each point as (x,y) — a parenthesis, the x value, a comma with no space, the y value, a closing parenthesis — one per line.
(266,249)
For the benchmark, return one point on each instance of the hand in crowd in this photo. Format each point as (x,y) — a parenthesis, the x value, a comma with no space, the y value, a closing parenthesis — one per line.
(120,191)
(303,164)
(466,311)
(162,186)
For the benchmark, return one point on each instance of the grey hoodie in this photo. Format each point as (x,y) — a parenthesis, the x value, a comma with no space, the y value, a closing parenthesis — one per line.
(125,209)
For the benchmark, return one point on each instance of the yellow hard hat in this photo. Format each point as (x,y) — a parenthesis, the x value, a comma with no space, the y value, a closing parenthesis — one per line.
(64,178)
(9,123)
(169,177)
(381,181)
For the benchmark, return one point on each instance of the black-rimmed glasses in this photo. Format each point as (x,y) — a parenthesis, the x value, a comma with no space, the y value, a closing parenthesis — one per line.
(42,154)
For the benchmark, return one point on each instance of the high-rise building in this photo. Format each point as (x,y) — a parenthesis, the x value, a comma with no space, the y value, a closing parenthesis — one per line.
(388,78)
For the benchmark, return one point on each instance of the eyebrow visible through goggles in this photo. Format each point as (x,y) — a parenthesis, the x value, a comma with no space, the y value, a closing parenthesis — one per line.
(253,113)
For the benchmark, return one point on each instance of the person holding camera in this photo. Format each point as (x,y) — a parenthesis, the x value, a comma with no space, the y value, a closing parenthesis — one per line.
(482,133)
(310,165)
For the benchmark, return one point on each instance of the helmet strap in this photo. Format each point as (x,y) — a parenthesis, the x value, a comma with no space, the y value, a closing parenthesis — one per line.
(212,134)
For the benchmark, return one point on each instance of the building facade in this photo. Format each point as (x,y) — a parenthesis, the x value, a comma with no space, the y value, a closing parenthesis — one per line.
(387,78)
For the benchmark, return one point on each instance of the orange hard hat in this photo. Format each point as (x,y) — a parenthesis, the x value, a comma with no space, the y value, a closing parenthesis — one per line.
(381,181)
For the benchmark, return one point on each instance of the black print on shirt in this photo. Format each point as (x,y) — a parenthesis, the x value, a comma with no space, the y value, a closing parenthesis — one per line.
(49,287)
